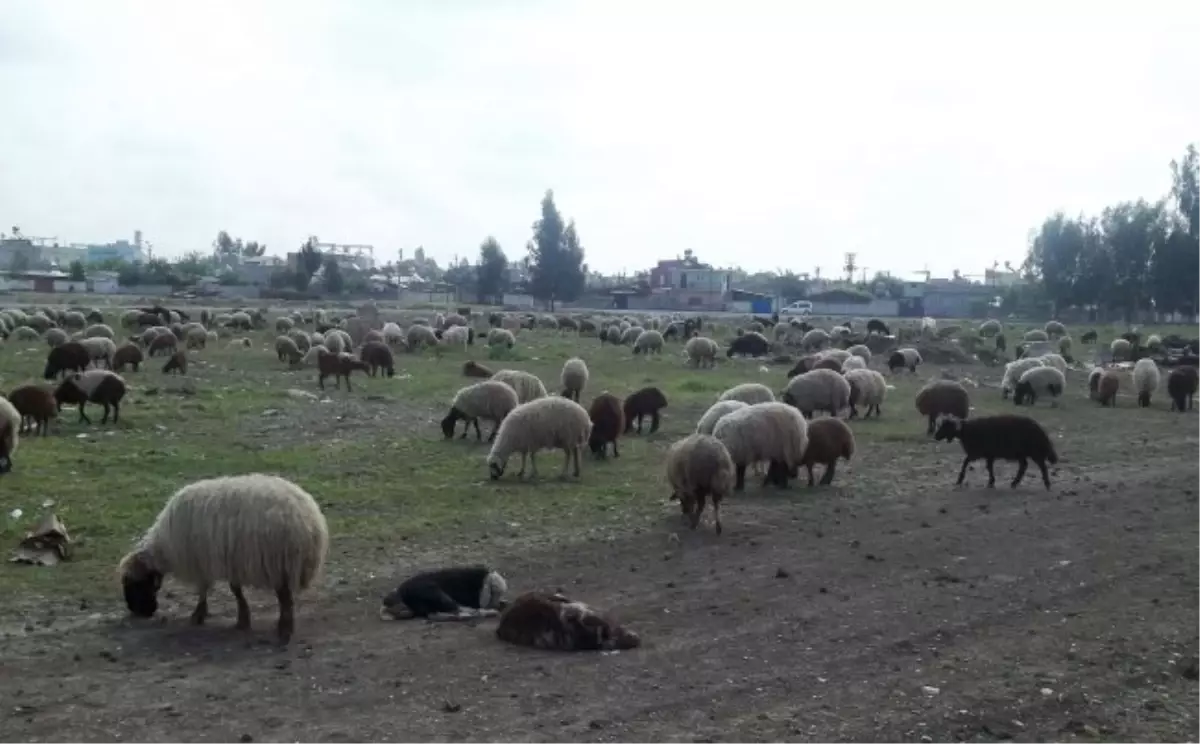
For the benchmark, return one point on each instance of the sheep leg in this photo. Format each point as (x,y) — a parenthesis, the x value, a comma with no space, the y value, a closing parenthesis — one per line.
(243,617)
(1045,472)
(697,512)
(575,456)
(639,423)
(991,463)
(104,418)
(963,473)
(929,429)
(287,620)
(854,412)
(83,416)
(716,504)
(615,452)
(533,465)
(740,484)
(321,380)
(201,612)
(829,472)
(566,463)
(654,422)
(478,433)
(521,472)
(348,388)
(116,411)
(492,436)
(1021,467)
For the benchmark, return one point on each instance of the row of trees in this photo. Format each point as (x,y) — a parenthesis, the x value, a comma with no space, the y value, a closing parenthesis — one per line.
(1133,256)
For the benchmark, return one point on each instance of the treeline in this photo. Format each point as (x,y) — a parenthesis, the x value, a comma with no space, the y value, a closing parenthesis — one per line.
(1133,257)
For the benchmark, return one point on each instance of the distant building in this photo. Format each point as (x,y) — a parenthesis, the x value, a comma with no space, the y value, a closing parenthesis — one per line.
(120,250)
(687,282)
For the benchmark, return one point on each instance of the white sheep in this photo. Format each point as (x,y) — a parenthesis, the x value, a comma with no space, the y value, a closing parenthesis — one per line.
(1013,371)
(456,335)
(98,330)
(867,388)
(715,413)
(630,335)
(1145,380)
(528,386)
(773,432)
(860,351)
(1036,335)
(990,328)
(1054,360)
(255,530)
(1054,328)
(574,378)
(392,334)
(814,339)
(488,400)
(99,348)
(841,355)
(1046,381)
(1121,349)
(10,434)
(701,351)
(854,362)
(544,423)
(420,335)
(818,390)
(501,337)
(928,326)
(648,342)
(749,393)
(55,337)
(699,468)
(74,320)
(613,334)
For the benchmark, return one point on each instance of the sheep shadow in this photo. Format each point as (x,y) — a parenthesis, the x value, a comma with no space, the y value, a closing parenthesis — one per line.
(175,638)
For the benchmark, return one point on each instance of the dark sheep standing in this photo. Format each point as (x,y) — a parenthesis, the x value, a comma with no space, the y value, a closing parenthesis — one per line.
(177,363)
(146,319)
(1181,386)
(107,391)
(337,366)
(803,365)
(608,423)
(1088,337)
(495,320)
(1001,342)
(377,356)
(36,405)
(645,402)
(69,357)
(1004,437)
(164,343)
(899,361)
(875,325)
(749,344)
(127,354)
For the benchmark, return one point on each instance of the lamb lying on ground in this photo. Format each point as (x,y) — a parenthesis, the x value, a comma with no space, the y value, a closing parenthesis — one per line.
(458,593)
(555,623)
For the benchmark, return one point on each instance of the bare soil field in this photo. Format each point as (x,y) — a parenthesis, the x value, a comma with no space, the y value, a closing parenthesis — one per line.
(890,606)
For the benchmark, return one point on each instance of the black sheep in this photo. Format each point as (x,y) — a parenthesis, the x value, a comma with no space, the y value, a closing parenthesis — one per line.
(875,325)
(1181,386)
(1088,337)
(749,344)
(69,357)
(608,423)
(645,402)
(94,386)
(1003,437)
(458,593)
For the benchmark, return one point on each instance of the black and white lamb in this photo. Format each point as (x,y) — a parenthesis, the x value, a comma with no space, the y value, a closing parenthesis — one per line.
(458,593)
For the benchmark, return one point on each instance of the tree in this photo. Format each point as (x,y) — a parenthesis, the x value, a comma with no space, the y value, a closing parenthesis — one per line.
(78,273)
(224,244)
(557,270)
(1131,231)
(1054,256)
(20,262)
(1185,188)
(492,273)
(334,282)
(309,260)
(254,249)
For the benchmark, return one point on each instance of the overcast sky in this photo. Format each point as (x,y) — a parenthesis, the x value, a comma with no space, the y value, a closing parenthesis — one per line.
(765,134)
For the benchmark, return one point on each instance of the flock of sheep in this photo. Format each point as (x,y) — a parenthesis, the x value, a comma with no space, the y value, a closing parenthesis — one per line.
(265,532)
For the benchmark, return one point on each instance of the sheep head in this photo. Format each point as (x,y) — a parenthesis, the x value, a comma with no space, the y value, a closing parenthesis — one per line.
(449,422)
(948,428)
(141,583)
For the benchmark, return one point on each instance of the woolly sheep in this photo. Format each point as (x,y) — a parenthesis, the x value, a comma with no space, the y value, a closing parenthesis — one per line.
(716,412)
(1153,342)
(100,348)
(1054,360)
(287,350)
(555,623)
(1004,437)
(257,531)
(1121,350)
(26,333)
(852,363)
(773,432)
(814,339)
(127,354)
(177,363)
(418,336)
(828,440)
(818,390)
(906,357)
(56,337)
(648,342)
(196,338)
(1145,380)
(501,337)
(990,328)
(701,351)
(1103,386)
(867,388)
(314,353)
(749,344)
(392,334)
(93,386)
(860,351)
(574,378)
(74,320)
(699,468)
(1046,381)
(301,339)
(283,325)
(544,423)
(36,406)
(942,398)
(1064,346)
(612,335)
(1054,328)
(749,393)
(528,387)
(338,366)
(1013,371)
(69,356)
(10,438)
(1182,384)
(647,401)
(608,424)
(99,330)
(1035,335)
(240,321)
(488,400)
(630,335)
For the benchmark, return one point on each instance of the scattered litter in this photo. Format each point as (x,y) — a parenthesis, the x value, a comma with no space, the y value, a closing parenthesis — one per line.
(930,690)
(82,435)
(48,544)
(15,513)
(1047,692)
(300,394)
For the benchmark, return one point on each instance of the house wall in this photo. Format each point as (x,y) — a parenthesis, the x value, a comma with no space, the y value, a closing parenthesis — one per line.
(877,308)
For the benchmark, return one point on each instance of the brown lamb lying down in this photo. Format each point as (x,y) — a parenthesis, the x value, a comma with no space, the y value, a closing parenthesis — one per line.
(555,623)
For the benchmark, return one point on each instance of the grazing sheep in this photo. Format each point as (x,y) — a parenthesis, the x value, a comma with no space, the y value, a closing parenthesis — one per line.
(544,423)
(489,400)
(163,343)
(1064,346)
(860,351)
(287,350)
(529,387)
(1054,360)
(99,330)
(867,388)
(301,339)
(127,354)
(195,338)
(647,401)
(648,342)
(255,530)
(283,325)
(630,335)
(377,356)
(875,325)
(828,363)
(749,344)
(338,338)
(100,349)
(1145,380)
(373,336)
(1053,329)
(804,364)
(419,336)
(74,320)
(749,393)
(942,398)
(501,337)
(240,321)
(1013,371)
(773,432)
(699,468)
(608,423)
(71,356)
(55,337)
(701,351)
(178,362)
(852,363)
(841,355)
(1046,381)
(818,390)
(26,333)
(1153,342)
(990,328)
(1103,386)
(814,340)
(1181,386)
(1088,337)
(715,413)
(36,406)
(1121,350)
(902,358)
(554,623)
(1003,437)
(473,369)
(393,335)
(338,366)
(92,386)
(458,593)
(612,335)
(10,438)
(458,335)
(828,439)
(574,377)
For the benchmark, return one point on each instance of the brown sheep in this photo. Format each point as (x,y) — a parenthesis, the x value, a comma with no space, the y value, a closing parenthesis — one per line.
(645,402)
(803,364)
(830,363)
(472,369)
(71,356)
(555,623)
(36,405)
(337,366)
(1181,387)
(608,423)
(942,397)
(1103,386)
(377,355)
(164,343)
(127,354)
(178,362)
(373,337)
(699,468)
(828,439)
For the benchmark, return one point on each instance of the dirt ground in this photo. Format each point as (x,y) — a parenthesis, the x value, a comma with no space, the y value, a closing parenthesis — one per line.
(903,610)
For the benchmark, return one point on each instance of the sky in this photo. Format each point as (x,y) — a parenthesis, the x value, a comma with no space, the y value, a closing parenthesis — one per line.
(769,134)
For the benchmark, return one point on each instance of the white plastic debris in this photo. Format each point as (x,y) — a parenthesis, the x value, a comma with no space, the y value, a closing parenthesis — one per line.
(930,690)
(15,513)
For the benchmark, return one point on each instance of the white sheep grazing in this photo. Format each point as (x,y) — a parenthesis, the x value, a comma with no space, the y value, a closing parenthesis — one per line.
(1013,371)
(715,413)
(99,330)
(574,378)
(1121,349)
(545,423)
(253,530)
(1046,381)
(456,335)
(701,351)
(928,326)
(749,393)
(841,355)
(527,386)
(10,434)
(1145,380)
(630,335)
(814,339)
(818,390)
(1054,360)
(854,362)
(420,335)
(613,334)
(392,334)
(314,353)
(773,432)
(867,388)
(860,351)
(648,342)
(488,400)
(700,469)
(334,343)
(501,337)
(100,348)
